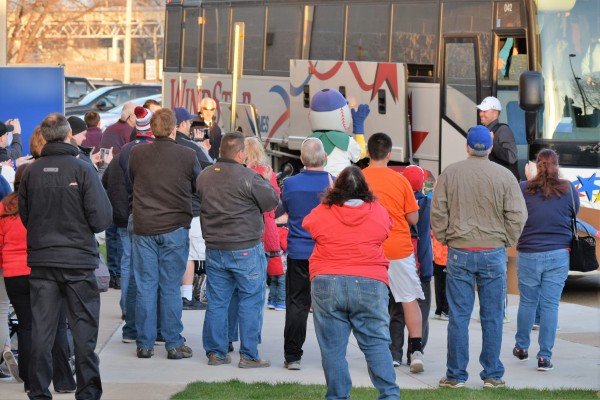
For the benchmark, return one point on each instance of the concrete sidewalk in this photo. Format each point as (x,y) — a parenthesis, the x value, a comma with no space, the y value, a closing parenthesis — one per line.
(576,357)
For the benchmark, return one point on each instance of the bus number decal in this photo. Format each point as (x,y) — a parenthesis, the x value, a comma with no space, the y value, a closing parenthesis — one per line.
(263,123)
(508,7)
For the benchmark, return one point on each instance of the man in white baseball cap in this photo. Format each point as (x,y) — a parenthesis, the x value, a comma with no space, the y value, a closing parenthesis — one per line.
(504,150)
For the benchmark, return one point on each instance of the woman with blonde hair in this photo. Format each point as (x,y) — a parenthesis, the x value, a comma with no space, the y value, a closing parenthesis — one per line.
(257,159)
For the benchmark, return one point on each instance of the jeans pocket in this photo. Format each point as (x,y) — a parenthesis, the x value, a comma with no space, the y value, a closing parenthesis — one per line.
(322,288)
(457,262)
(494,263)
(371,291)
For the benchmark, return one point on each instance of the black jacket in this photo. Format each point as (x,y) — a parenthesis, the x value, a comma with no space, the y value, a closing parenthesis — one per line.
(113,181)
(62,204)
(504,150)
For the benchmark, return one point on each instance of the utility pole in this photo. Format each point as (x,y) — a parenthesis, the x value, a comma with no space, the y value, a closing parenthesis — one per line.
(127,44)
(3,33)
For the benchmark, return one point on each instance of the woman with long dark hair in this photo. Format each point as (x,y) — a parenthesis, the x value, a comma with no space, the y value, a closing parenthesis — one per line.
(543,255)
(13,247)
(349,278)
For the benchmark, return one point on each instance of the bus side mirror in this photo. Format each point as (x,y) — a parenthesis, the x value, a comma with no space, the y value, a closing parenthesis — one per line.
(531,100)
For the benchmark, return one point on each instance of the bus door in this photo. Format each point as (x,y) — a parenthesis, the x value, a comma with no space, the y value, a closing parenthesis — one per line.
(460,92)
(511,59)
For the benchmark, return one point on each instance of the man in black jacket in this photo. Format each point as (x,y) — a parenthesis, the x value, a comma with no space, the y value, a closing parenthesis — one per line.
(163,175)
(62,204)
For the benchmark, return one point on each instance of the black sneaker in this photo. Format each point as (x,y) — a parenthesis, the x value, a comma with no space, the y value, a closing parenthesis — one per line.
(193,304)
(112,282)
(180,352)
(117,283)
(230,347)
(144,353)
(544,364)
(521,354)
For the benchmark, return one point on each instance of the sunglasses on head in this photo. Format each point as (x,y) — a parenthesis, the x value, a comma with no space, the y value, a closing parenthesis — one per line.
(208,109)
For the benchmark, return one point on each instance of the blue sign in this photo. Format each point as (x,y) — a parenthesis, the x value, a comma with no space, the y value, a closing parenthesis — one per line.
(30,94)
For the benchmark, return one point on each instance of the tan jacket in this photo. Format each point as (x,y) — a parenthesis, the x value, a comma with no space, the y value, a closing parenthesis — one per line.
(477,203)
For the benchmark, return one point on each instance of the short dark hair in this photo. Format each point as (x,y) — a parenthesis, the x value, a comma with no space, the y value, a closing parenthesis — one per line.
(91,119)
(163,122)
(379,145)
(151,102)
(55,128)
(350,184)
(231,144)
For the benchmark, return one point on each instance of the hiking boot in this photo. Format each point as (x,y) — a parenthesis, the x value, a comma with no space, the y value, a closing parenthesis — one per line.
(491,383)
(214,359)
(521,354)
(180,352)
(416,362)
(445,382)
(544,364)
(144,353)
(292,365)
(249,363)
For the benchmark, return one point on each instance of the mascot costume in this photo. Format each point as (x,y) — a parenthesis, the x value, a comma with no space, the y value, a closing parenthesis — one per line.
(331,121)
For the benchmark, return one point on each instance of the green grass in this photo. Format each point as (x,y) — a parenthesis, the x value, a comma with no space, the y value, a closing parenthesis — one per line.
(234,389)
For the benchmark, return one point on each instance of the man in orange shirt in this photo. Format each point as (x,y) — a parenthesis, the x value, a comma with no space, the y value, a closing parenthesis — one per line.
(394,192)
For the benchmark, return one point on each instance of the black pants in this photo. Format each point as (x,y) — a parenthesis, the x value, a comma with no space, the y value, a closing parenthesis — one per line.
(297,303)
(397,323)
(78,289)
(17,288)
(439,277)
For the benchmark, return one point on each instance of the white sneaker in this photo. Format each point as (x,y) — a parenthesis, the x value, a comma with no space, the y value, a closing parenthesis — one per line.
(417,362)
(396,363)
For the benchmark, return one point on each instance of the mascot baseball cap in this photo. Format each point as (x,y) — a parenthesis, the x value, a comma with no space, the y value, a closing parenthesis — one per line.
(327,100)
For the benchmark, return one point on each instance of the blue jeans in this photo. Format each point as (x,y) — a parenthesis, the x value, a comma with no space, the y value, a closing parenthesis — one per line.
(125,266)
(226,270)
(232,317)
(277,289)
(344,304)
(159,265)
(541,280)
(487,269)
(113,251)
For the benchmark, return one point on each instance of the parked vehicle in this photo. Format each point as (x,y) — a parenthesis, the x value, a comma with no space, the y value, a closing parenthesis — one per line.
(105,98)
(103,82)
(76,87)
(111,116)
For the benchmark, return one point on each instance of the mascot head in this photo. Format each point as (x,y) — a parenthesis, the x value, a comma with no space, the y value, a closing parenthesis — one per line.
(329,111)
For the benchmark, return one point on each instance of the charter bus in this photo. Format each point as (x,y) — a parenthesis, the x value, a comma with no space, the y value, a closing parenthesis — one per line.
(422,65)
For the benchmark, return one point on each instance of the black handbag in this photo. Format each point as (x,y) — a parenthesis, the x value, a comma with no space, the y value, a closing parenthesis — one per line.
(583,248)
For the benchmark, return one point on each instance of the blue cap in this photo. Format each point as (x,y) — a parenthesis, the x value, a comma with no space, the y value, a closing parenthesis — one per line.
(479,138)
(327,100)
(181,114)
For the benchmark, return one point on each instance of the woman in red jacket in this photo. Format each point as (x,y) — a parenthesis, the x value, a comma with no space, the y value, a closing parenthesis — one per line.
(349,278)
(13,251)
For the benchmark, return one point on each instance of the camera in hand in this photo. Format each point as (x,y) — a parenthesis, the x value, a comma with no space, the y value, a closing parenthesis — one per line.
(199,134)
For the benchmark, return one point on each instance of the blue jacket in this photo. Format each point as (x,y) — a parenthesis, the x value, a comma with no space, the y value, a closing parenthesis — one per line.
(301,193)
(424,249)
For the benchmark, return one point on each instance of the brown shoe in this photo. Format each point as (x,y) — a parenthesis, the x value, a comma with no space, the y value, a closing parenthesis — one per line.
(214,359)
(249,363)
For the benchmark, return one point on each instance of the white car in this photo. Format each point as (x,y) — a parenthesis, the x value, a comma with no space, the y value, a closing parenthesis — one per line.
(111,116)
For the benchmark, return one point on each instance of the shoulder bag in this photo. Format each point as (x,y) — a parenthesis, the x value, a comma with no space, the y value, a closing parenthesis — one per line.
(583,248)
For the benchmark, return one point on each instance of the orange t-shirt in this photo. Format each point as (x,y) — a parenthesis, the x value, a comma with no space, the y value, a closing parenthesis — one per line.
(393,191)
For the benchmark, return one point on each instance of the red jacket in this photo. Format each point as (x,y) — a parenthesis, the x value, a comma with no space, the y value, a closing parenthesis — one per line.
(349,240)
(13,246)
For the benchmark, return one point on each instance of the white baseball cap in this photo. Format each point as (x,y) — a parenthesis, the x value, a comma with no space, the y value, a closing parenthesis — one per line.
(490,103)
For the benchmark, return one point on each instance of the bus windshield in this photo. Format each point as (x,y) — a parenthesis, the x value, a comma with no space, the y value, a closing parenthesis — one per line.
(569,32)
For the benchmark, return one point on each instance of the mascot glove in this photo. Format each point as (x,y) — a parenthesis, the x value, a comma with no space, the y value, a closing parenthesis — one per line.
(358,118)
